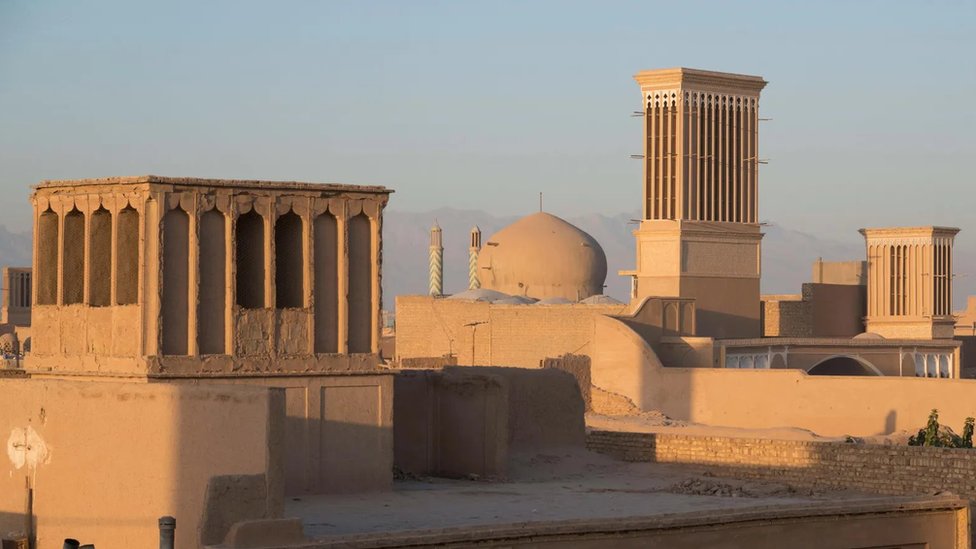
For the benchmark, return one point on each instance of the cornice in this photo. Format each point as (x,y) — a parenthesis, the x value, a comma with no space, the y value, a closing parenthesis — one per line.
(699,80)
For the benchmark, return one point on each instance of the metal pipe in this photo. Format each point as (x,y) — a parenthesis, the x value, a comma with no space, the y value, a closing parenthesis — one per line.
(167,532)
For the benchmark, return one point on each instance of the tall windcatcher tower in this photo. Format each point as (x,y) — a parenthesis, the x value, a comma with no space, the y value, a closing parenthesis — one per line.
(436,261)
(699,235)
(473,281)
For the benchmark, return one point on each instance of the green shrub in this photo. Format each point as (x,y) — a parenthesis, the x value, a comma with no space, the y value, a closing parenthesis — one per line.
(937,435)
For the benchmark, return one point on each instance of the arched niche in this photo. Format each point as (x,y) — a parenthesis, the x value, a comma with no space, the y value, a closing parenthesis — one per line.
(360,284)
(176,271)
(289,262)
(326,287)
(250,260)
(212,303)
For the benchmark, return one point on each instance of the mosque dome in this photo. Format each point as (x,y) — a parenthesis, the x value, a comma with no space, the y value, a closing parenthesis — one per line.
(542,256)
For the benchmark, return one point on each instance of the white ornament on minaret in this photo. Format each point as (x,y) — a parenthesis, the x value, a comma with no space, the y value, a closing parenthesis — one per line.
(473,282)
(436,261)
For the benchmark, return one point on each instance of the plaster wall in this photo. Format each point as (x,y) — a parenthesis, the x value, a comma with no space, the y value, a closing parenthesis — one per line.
(469,420)
(338,429)
(623,363)
(716,264)
(966,319)
(108,459)
(482,334)
(840,272)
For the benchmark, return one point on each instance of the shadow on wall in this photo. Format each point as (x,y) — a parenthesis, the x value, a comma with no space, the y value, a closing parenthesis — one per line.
(338,457)
(145,451)
(470,420)
(623,363)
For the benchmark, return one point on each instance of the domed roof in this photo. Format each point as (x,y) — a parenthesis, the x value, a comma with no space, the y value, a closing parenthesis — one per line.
(481,294)
(543,256)
(601,299)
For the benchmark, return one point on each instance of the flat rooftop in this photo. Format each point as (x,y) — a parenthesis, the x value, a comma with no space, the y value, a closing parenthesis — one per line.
(556,490)
(211,183)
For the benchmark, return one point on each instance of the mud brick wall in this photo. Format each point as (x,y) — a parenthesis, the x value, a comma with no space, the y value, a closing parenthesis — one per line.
(896,470)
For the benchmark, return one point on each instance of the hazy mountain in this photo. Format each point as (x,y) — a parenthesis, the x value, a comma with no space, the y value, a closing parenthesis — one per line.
(788,255)
(15,248)
(787,260)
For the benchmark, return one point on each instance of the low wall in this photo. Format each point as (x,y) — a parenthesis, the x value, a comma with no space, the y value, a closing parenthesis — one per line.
(106,460)
(624,364)
(468,420)
(893,470)
(482,334)
(338,429)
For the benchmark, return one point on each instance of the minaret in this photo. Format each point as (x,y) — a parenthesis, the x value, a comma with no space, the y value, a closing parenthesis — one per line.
(473,282)
(436,261)
(699,236)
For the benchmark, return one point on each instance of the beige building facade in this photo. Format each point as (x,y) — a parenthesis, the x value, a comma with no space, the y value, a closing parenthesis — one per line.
(153,275)
(699,236)
(202,281)
(910,282)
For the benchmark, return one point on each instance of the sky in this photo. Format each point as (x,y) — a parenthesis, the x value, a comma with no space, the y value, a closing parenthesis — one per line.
(483,105)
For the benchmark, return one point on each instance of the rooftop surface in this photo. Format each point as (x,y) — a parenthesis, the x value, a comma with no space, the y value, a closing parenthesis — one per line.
(219,183)
(555,488)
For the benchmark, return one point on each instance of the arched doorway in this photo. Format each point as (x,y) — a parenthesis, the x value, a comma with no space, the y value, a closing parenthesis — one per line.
(843,366)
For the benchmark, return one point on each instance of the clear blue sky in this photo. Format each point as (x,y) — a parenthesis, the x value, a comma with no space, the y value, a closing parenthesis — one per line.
(484,104)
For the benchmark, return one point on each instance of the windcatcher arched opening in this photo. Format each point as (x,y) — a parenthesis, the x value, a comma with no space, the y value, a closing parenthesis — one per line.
(326,290)
(250,261)
(176,270)
(100,259)
(127,263)
(46,277)
(213,284)
(360,285)
(73,275)
(289,262)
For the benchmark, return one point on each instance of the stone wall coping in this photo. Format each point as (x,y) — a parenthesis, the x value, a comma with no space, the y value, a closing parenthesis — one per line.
(204,182)
(882,505)
(745,441)
(835,342)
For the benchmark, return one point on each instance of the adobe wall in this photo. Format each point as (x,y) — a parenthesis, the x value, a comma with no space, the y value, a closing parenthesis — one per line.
(895,470)
(483,334)
(469,420)
(106,460)
(837,310)
(822,310)
(827,405)
(338,432)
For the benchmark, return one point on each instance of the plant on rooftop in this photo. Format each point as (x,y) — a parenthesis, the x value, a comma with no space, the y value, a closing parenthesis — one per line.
(942,436)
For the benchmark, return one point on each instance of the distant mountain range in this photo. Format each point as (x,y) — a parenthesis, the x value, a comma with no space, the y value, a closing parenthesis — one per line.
(15,248)
(788,255)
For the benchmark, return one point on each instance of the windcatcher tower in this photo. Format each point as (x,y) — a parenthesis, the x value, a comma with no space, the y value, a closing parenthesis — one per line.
(699,234)
(910,282)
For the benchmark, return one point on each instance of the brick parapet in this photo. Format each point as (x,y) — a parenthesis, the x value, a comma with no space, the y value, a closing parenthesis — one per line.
(883,469)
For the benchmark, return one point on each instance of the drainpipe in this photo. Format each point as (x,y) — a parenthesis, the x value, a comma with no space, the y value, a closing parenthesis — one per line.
(167,532)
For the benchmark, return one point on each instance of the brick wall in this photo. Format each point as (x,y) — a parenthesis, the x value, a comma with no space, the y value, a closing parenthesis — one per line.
(787,319)
(898,470)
